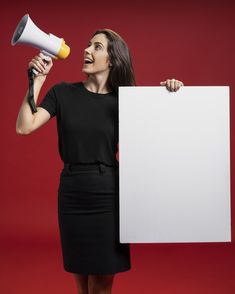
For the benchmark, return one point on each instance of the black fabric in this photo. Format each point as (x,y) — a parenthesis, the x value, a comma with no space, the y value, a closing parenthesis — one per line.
(30,97)
(87,123)
(88,193)
(88,213)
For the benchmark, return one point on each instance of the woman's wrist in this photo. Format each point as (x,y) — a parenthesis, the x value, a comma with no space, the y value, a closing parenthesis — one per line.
(40,79)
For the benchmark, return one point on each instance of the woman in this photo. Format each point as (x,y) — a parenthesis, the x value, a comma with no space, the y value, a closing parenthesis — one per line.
(87,124)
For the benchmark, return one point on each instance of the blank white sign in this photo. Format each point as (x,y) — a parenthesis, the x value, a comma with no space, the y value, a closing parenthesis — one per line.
(174,164)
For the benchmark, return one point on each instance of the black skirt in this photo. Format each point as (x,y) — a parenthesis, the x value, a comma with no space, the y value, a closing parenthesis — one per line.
(88,214)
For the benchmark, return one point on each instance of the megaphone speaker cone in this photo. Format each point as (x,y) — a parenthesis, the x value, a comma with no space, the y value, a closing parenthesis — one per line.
(19,29)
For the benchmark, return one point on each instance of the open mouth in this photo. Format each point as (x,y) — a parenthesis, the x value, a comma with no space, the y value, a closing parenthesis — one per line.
(88,61)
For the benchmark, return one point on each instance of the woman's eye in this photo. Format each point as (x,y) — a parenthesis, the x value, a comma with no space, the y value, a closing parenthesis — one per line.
(98,46)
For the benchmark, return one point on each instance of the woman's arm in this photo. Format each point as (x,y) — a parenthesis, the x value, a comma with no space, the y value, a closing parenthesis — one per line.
(27,121)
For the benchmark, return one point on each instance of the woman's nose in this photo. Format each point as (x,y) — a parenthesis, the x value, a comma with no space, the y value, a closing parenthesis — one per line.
(88,50)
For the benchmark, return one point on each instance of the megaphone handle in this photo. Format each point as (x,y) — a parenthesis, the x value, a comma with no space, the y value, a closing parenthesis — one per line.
(30,97)
(35,71)
(47,54)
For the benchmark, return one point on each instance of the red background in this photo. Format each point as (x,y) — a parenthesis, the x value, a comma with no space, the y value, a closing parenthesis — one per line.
(189,41)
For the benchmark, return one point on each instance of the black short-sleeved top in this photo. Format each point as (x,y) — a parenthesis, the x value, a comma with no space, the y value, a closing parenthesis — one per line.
(87,123)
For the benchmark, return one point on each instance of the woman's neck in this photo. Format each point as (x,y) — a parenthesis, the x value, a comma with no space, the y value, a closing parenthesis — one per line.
(96,84)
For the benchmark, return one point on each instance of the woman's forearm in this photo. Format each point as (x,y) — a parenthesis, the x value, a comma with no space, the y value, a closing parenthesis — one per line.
(25,116)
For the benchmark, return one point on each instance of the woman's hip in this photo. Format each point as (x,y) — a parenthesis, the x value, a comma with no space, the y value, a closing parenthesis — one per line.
(88,189)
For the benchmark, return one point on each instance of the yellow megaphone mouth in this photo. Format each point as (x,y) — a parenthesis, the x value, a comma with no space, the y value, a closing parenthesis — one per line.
(64,50)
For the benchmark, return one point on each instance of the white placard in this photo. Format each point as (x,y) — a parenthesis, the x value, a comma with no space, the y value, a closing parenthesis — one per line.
(174,164)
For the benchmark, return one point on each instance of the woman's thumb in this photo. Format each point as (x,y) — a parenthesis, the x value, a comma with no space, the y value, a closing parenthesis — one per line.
(163,83)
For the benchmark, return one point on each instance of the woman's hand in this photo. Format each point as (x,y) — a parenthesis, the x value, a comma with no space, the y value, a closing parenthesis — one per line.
(42,63)
(172,85)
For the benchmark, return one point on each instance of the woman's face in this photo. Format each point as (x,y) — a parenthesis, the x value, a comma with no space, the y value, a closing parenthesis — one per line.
(96,58)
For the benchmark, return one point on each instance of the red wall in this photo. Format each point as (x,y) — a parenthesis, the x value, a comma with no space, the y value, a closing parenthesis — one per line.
(189,41)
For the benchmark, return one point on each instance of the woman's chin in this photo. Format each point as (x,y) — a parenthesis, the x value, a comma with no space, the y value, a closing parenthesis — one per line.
(85,71)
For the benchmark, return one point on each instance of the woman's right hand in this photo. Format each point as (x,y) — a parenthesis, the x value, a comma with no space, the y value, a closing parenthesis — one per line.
(42,63)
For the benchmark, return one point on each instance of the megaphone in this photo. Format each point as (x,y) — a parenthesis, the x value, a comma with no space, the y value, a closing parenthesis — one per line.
(27,32)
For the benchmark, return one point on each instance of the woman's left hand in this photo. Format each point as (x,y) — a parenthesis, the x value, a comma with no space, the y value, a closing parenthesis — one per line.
(172,85)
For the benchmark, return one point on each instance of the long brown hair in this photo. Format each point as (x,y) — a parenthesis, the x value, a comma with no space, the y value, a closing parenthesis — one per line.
(121,73)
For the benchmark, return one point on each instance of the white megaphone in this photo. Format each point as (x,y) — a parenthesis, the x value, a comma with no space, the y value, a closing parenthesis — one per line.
(27,32)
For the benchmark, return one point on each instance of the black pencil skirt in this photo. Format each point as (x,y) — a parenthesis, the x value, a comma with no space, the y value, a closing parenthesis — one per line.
(88,215)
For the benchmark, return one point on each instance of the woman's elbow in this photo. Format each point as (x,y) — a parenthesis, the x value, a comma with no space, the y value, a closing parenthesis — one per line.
(22,132)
